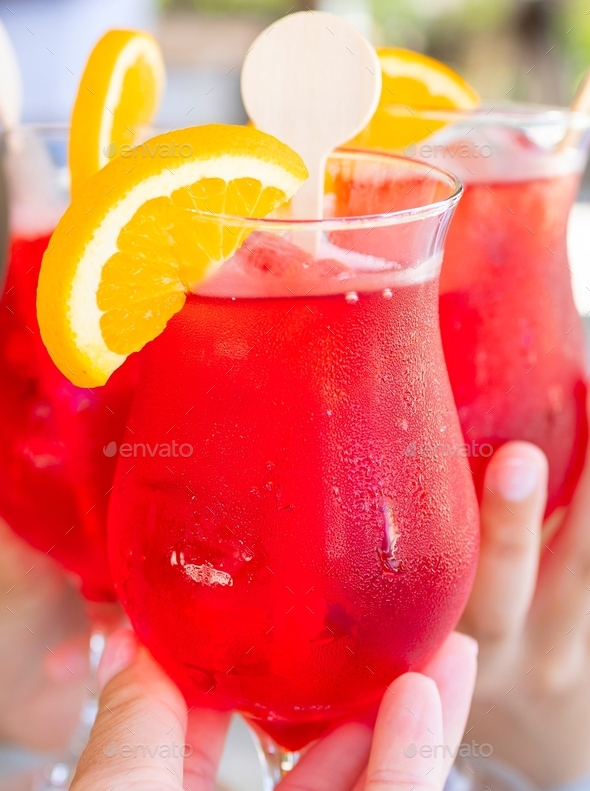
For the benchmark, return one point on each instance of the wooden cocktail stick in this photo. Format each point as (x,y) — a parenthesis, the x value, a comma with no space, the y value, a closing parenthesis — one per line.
(580,104)
(313,81)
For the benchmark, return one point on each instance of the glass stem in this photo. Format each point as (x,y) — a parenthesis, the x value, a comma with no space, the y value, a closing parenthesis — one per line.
(275,762)
(104,618)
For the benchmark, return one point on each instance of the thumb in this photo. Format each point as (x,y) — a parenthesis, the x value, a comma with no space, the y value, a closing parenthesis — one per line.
(139,733)
(511,519)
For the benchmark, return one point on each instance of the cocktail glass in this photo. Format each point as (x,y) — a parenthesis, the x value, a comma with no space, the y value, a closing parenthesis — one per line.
(57,442)
(512,337)
(276,538)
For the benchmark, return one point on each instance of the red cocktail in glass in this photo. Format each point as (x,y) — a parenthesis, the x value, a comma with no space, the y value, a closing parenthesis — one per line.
(56,476)
(275,539)
(512,337)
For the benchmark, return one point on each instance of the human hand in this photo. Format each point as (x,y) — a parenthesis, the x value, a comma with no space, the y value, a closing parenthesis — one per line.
(43,648)
(530,612)
(419,710)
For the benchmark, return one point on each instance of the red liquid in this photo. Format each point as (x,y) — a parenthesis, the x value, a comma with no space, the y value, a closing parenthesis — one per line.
(512,337)
(55,475)
(263,570)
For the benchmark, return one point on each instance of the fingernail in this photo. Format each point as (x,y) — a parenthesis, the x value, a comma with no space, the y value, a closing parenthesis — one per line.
(472,645)
(515,479)
(119,653)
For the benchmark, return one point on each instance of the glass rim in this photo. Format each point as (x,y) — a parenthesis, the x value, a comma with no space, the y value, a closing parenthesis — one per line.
(357,222)
(500,113)
(326,224)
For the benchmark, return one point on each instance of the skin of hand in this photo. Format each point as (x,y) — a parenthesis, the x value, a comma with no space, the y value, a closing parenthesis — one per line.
(530,613)
(43,649)
(419,711)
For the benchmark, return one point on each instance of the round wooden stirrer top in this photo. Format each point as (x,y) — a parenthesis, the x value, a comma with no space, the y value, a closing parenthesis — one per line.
(313,81)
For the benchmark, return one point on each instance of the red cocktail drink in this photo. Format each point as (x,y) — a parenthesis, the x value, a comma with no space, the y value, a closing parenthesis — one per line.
(512,337)
(55,474)
(276,540)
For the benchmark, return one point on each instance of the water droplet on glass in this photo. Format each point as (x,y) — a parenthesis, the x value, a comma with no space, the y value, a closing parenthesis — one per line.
(247,554)
(351,297)
(391,565)
(387,293)
(329,413)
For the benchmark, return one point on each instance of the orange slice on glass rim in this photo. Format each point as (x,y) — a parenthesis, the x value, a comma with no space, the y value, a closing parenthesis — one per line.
(412,84)
(142,233)
(119,92)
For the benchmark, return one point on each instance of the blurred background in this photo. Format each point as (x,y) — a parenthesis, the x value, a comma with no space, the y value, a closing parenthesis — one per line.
(533,50)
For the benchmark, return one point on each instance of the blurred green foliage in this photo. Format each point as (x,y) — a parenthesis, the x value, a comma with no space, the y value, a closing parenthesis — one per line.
(573,32)
(544,34)
(462,16)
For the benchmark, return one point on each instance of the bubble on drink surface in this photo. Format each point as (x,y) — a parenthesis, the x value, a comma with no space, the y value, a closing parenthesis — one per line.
(208,575)
(351,297)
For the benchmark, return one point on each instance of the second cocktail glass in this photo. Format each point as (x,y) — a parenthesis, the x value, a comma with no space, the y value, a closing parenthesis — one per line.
(512,337)
(275,539)
(55,461)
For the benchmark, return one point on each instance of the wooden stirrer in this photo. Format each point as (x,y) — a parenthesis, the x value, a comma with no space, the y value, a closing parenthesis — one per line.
(580,104)
(313,81)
